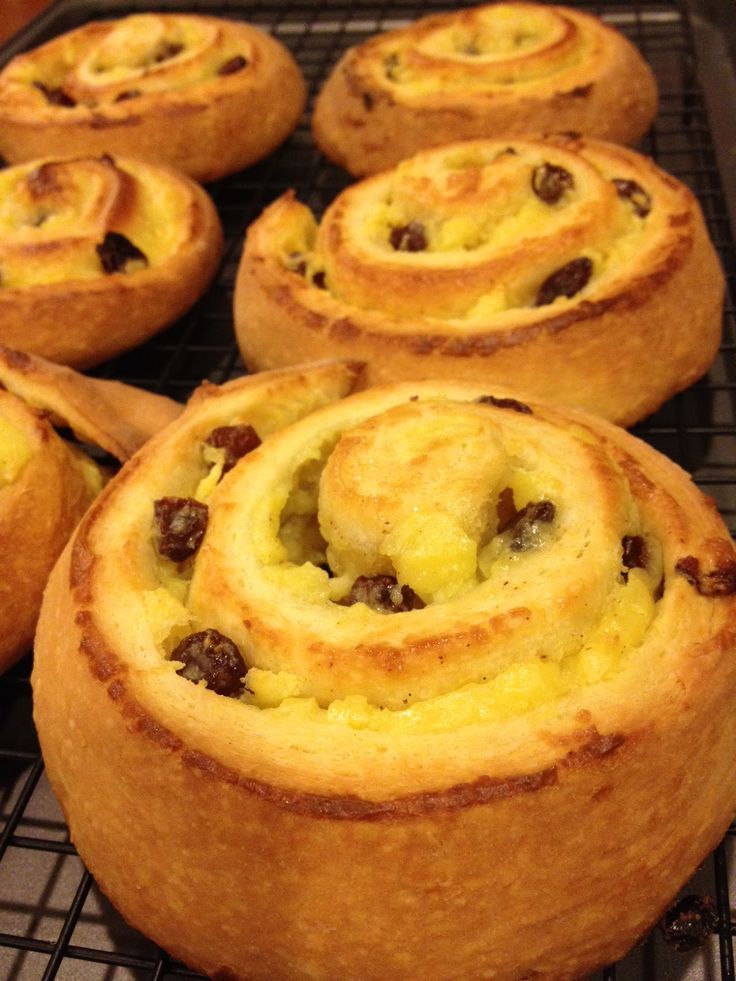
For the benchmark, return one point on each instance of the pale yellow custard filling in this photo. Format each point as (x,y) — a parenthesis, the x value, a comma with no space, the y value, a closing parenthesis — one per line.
(15,451)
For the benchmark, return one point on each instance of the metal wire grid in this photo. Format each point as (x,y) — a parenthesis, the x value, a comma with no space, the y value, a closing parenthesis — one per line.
(54,923)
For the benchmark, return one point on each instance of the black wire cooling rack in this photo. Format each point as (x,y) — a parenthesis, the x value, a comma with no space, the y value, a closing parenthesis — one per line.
(54,923)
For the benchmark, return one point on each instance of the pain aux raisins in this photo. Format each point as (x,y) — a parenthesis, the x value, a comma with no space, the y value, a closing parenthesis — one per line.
(640,200)
(212,657)
(236,441)
(180,526)
(549,182)
(720,581)
(409,238)
(566,281)
(688,924)
(382,594)
(118,254)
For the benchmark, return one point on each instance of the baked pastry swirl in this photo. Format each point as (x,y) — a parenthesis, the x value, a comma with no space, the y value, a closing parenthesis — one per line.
(97,254)
(571,268)
(46,482)
(503,69)
(206,95)
(428,679)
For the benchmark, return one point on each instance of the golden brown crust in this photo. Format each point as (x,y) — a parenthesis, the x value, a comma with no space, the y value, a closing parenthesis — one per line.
(206,95)
(495,844)
(490,71)
(97,255)
(100,412)
(646,324)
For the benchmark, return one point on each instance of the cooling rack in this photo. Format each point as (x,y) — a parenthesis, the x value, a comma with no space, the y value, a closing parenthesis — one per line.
(54,922)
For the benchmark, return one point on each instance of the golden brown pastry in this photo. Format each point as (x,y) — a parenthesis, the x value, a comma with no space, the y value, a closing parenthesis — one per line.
(567,267)
(503,69)
(206,95)
(46,483)
(97,254)
(428,680)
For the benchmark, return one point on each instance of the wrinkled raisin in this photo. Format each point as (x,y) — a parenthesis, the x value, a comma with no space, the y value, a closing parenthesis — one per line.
(212,657)
(236,441)
(634,552)
(118,254)
(236,64)
(505,403)
(319,279)
(127,94)
(505,510)
(383,595)
(525,525)
(55,96)
(181,523)
(549,182)
(641,202)
(296,262)
(409,238)
(390,67)
(566,281)
(168,49)
(720,581)
(688,924)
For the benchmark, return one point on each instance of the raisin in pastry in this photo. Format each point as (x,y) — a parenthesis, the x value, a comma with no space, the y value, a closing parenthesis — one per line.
(567,267)
(430,653)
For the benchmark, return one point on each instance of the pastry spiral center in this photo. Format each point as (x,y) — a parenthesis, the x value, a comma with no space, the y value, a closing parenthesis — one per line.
(417,480)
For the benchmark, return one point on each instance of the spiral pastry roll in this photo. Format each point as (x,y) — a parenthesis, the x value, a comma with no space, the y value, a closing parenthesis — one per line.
(98,254)
(571,268)
(47,482)
(205,95)
(427,679)
(501,69)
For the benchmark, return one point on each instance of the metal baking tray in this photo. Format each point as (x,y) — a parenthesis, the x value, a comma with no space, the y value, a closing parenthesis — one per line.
(54,922)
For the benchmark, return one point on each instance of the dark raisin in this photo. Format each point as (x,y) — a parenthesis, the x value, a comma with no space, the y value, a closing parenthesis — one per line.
(127,94)
(168,49)
(117,253)
(319,279)
(236,64)
(641,202)
(390,66)
(505,403)
(566,281)
(409,238)
(367,101)
(383,595)
(55,96)
(211,657)
(526,532)
(180,523)
(687,925)
(720,581)
(634,552)
(549,182)
(296,262)
(505,510)
(236,441)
